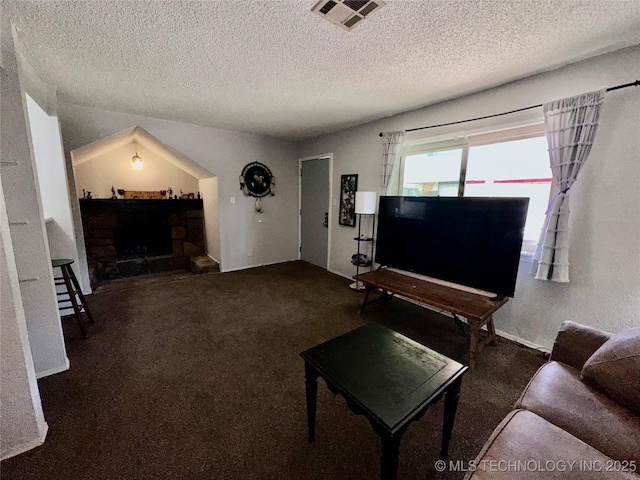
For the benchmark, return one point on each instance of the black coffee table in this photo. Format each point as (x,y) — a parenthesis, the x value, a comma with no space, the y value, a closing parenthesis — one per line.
(388,378)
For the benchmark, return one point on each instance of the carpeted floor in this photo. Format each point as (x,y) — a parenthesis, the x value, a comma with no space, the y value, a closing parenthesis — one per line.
(200,377)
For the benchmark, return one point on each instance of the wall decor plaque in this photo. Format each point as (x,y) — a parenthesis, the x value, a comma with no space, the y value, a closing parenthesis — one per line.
(143,194)
(348,187)
(256,180)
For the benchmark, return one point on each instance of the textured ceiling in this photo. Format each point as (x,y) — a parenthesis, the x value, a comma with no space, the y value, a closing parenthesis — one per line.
(276,68)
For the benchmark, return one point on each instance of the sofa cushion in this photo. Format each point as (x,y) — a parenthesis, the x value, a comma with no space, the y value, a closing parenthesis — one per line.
(575,343)
(525,445)
(557,394)
(615,368)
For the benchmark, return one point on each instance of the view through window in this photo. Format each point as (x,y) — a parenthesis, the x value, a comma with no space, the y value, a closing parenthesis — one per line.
(502,167)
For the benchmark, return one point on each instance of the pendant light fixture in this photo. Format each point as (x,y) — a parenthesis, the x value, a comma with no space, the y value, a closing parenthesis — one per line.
(137,161)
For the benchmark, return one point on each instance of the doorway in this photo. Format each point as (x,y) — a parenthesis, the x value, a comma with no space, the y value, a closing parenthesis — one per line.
(315,209)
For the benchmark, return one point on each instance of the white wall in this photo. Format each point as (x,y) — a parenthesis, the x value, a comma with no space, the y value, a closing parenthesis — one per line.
(209,191)
(22,424)
(271,236)
(116,169)
(26,222)
(52,179)
(46,97)
(605,229)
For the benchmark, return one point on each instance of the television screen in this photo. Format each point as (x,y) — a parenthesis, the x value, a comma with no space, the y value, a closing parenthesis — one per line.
(469,241)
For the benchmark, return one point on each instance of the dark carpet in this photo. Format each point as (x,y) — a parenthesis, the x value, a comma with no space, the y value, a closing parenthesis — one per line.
(200,377)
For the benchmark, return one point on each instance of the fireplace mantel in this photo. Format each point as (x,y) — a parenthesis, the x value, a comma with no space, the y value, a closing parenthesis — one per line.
(137,205)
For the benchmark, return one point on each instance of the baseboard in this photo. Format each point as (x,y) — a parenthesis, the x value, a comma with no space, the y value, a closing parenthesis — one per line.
(280,261)
(217,261)
(53,371)
(521,341)
(335,272)
(500,333)
(227,270)
(27,446)
(235,269)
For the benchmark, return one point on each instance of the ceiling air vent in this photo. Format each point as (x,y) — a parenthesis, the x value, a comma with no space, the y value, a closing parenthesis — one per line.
(347,14)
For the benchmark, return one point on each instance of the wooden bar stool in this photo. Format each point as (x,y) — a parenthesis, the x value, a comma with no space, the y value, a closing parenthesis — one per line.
(73,292)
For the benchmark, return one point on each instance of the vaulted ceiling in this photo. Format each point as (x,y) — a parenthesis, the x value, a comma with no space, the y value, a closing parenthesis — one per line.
(139,136)
(276,68)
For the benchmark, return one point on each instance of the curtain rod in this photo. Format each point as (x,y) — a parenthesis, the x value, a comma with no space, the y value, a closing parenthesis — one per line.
(617,87)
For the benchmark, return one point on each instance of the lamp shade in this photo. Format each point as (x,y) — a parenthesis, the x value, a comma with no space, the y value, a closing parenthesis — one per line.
(365,203)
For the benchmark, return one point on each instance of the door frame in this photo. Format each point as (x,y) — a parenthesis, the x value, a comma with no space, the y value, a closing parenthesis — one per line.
(328,156)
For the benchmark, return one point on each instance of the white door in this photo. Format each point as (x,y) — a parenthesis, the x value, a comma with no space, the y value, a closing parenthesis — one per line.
(314,211)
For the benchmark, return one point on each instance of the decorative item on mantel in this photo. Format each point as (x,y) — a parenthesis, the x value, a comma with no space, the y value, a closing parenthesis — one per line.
(365,204)
(142,194)
(256,180)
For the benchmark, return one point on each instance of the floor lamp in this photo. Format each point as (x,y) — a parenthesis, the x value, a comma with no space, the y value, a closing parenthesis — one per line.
(365,205)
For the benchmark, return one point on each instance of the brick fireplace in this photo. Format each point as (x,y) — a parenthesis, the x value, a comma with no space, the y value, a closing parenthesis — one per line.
(136,237)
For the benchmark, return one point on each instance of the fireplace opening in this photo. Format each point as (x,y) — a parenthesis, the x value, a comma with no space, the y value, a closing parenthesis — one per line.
(128,237)
(142,242)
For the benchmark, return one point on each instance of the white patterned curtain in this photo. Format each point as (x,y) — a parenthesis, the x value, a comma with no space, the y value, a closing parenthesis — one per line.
(390,155)
(570,126)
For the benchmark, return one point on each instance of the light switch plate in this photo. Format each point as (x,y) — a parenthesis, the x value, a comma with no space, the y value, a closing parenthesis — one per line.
(232,200)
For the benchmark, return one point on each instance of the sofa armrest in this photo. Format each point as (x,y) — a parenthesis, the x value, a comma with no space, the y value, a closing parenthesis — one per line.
(575,343)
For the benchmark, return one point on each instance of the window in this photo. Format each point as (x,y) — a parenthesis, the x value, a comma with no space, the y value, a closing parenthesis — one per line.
(433,174)
(511,163)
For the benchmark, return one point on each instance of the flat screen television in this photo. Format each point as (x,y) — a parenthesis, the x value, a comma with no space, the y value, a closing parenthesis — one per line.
(469,241)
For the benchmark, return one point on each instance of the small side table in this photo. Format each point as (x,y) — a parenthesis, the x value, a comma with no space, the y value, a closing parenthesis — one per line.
(388,378)
(73,291)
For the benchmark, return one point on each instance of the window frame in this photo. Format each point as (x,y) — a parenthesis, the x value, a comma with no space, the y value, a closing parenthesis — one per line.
(466,142)
(443,148)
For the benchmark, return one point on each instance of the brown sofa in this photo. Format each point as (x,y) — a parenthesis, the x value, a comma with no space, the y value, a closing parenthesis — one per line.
(565,424)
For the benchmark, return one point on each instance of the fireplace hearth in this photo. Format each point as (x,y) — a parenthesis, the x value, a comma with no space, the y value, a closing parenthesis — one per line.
(135,237)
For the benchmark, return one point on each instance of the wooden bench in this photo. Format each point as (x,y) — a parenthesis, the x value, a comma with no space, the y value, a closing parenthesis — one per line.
(477,309)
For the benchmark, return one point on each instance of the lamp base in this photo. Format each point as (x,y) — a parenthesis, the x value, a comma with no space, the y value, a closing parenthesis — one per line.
(357,286)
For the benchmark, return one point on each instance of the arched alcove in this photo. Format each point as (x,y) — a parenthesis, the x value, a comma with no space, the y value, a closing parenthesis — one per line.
(132,235)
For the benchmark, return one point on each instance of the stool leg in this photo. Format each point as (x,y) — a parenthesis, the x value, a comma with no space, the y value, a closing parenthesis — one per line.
(74,304)
(82,299)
